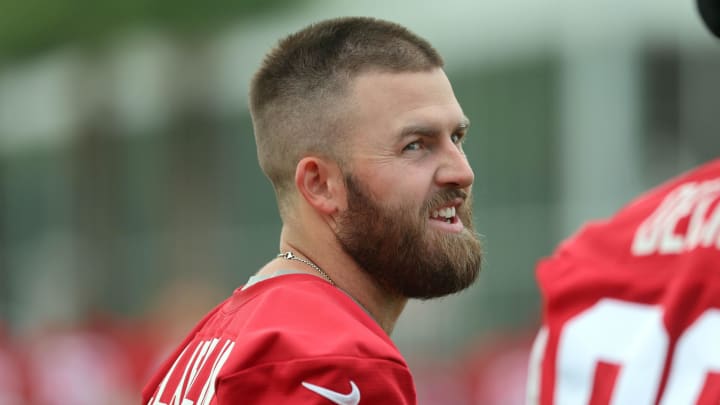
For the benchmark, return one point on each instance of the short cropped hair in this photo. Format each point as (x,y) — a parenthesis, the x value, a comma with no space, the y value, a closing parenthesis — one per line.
(296,97)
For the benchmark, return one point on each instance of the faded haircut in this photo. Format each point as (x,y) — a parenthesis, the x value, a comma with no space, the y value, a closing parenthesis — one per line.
(297,96)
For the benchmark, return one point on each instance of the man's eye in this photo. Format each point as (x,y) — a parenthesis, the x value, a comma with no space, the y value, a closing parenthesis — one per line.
(417,145)
(456,137)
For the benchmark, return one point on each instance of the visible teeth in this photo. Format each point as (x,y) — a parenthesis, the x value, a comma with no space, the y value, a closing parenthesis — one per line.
(446,213)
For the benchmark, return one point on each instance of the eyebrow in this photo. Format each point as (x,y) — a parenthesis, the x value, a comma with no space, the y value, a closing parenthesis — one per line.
(430,130)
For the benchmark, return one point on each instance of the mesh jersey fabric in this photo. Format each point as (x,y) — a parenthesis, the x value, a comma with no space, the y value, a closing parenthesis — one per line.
(278,340)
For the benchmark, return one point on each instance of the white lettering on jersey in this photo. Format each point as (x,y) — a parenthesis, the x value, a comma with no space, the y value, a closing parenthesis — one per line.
(199,363)
(634,338)
(696,203)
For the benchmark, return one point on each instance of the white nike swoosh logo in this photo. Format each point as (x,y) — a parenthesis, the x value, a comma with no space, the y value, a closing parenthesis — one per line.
(353,398)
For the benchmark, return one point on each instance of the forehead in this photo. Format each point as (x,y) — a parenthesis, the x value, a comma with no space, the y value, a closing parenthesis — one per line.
(385,103)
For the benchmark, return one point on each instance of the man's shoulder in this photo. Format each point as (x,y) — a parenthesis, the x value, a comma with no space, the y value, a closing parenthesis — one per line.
(301,300)
(671,220)
(299,316)
(666,236)
(285,328)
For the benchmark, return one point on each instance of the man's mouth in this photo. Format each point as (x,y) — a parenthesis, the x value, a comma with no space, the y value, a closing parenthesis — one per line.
(445,214)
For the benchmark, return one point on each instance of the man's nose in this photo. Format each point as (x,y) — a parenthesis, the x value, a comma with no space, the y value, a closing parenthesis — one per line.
(454,170)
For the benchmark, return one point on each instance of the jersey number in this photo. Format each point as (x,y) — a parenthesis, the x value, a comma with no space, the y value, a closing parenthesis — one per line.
(632,341)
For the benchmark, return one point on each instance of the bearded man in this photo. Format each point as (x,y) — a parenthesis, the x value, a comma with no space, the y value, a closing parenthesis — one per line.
(360,133)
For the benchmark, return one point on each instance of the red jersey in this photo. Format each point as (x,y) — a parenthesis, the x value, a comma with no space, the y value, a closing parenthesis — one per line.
(290,339)
(631,305)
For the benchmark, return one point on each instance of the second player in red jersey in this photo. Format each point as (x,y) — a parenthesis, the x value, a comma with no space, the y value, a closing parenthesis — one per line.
(631,310)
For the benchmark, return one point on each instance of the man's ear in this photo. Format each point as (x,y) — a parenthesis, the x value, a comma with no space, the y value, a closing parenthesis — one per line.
(321,183)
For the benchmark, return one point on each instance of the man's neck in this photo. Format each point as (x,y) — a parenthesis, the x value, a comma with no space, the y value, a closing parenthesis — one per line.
(326,253)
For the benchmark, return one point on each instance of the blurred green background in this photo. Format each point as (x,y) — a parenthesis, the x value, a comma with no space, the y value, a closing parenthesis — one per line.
(129,184)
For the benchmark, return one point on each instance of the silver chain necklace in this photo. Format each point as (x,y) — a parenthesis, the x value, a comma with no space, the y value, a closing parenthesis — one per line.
(290,256)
